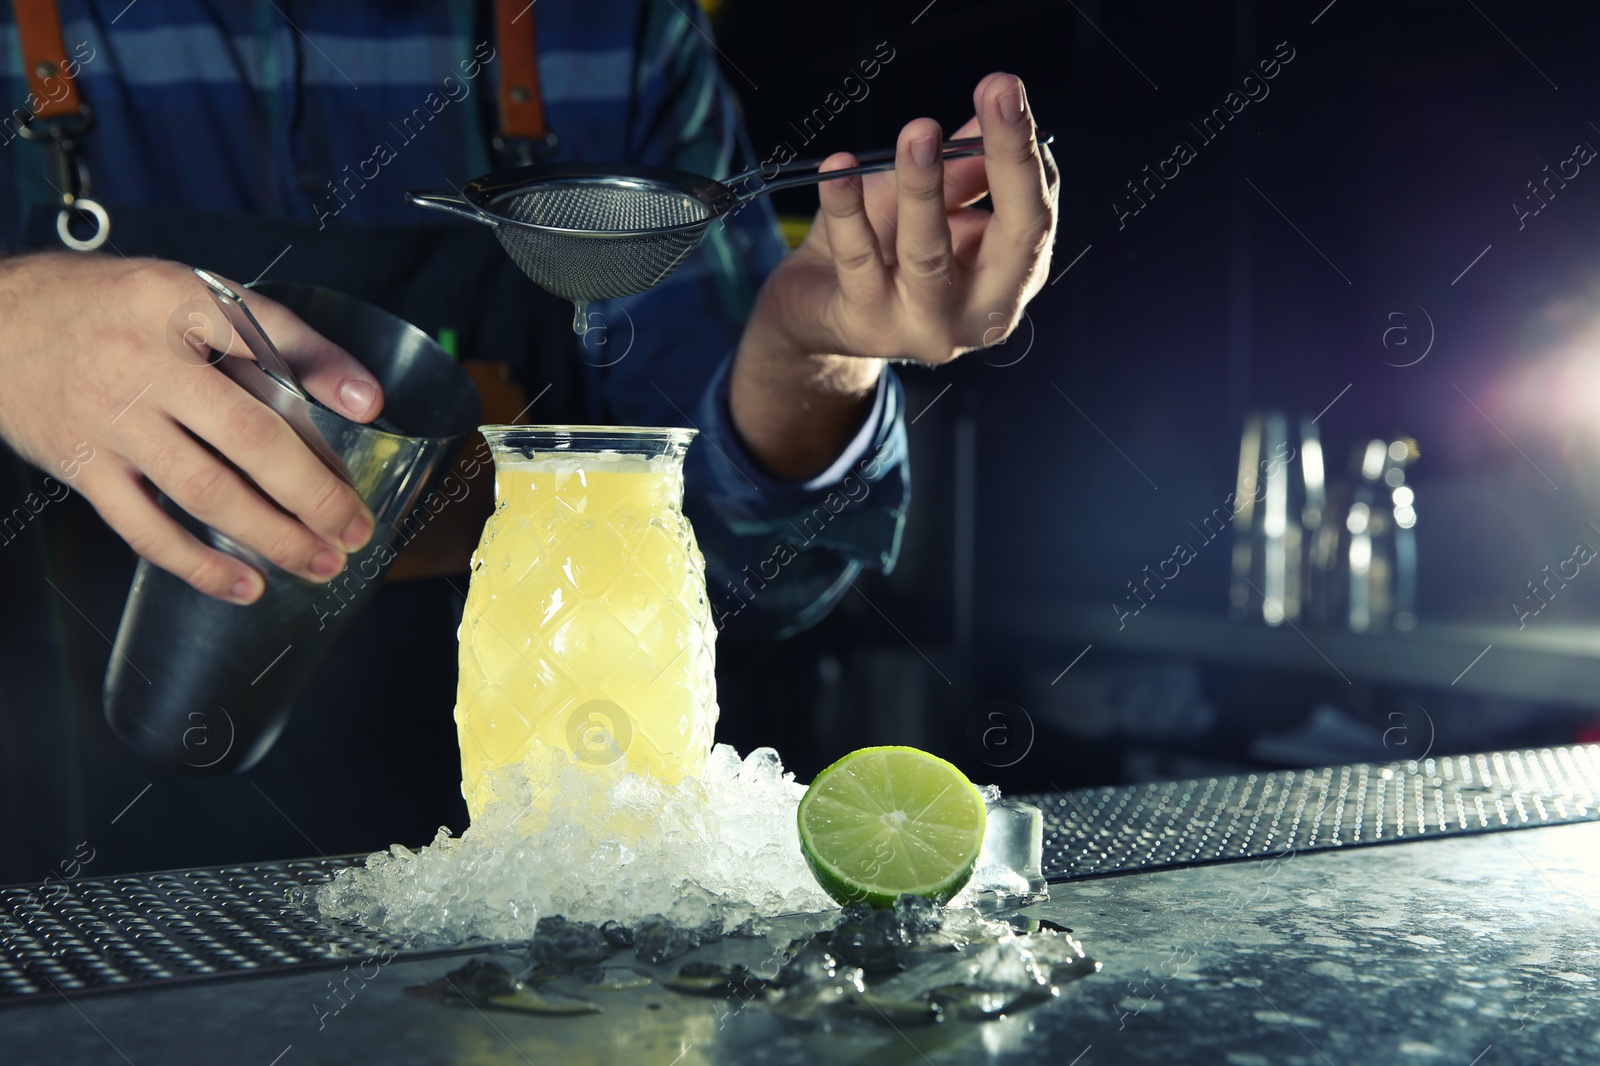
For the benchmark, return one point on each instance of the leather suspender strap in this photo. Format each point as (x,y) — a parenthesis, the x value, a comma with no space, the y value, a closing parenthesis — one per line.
(44,55)
(521,106)
(44,59)
(54,97)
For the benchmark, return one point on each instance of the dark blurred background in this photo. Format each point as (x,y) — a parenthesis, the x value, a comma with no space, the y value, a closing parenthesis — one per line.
(1369,237)
(1372,203)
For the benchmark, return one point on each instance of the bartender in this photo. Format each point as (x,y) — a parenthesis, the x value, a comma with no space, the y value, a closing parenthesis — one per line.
(274,139)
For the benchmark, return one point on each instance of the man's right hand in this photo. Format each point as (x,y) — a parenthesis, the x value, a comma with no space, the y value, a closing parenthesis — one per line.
(111,354)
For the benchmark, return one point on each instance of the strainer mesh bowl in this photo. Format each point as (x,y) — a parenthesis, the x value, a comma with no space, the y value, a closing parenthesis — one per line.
(615,254)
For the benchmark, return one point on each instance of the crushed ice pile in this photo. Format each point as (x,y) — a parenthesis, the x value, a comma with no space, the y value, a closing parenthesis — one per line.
(592,843)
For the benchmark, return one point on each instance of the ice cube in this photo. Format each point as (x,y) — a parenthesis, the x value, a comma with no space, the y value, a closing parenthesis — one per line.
(657,940)
(616,934)
(918,915)
(809,961)
(561,944)
(873,942)
(1010,863)
(764,767)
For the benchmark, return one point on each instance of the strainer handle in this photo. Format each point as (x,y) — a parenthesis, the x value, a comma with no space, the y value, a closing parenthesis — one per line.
(952,149)
(449,203)
(803,171)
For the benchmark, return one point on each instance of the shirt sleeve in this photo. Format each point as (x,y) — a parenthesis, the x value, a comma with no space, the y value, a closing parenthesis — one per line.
(779,554)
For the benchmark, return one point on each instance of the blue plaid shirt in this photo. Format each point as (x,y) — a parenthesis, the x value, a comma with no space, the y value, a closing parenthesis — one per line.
(327,112)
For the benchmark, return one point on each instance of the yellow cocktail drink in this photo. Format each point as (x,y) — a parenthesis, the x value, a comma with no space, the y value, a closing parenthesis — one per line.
(586,626)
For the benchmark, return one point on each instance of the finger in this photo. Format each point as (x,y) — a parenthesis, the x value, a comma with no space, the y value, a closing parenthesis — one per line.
(213,492)
(1024,208)
(965,181)
(857,256)
(967,226)
(259,442)
(881,194)
(124,502)
(922,238)
(327,371)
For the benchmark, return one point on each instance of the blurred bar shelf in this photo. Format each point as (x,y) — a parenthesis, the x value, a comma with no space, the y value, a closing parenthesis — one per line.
(1540,663)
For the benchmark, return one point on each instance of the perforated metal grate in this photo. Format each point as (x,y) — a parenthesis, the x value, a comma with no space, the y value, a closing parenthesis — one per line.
(1092,832)
(102,934)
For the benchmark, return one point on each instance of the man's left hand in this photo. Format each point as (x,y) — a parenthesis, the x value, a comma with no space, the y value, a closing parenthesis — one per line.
(897,265)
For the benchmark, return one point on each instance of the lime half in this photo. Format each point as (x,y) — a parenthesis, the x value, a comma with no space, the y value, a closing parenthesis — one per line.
(885,821)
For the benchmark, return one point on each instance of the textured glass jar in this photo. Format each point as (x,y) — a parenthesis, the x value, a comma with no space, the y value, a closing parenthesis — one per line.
(587,625)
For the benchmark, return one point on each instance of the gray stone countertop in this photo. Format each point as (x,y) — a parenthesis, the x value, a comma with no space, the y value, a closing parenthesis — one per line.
(1468,951)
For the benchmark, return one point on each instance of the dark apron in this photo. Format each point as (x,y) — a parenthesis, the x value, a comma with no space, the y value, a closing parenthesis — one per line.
(370,755)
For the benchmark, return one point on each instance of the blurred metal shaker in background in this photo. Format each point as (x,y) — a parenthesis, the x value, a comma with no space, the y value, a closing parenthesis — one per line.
(1364,563)
(1278,506)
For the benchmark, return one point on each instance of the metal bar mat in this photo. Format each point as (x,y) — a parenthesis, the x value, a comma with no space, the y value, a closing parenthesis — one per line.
(1099,831)
(102,934)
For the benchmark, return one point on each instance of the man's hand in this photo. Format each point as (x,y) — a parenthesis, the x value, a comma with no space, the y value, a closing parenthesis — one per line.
(897,266)
(109,358)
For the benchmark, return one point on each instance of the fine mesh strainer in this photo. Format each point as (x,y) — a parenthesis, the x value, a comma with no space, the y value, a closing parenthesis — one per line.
(586,232)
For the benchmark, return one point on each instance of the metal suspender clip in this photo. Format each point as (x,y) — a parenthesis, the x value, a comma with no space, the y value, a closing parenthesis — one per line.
(70,172)
(60,120)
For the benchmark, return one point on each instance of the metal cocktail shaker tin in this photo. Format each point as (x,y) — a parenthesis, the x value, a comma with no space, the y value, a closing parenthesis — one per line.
(198,684)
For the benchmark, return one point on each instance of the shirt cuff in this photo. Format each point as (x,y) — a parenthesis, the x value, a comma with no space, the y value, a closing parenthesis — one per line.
(717,428)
